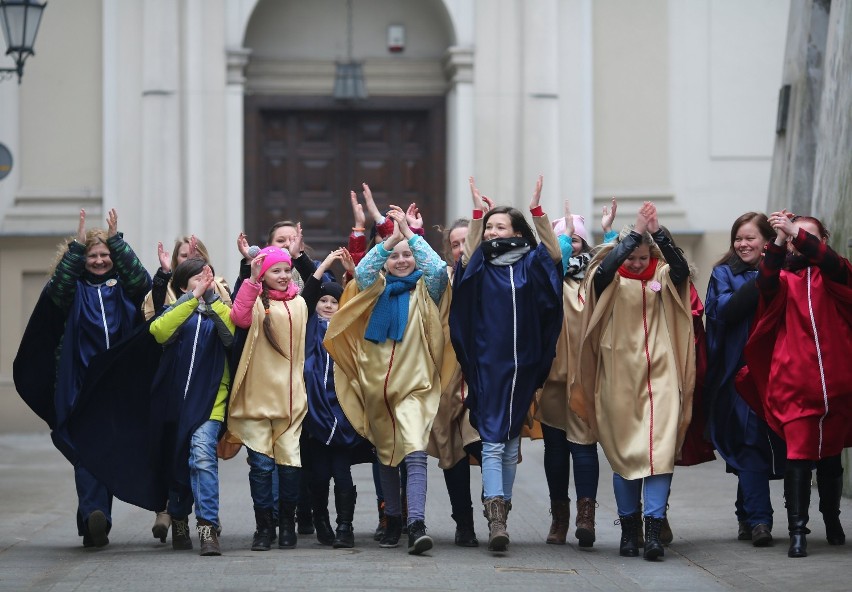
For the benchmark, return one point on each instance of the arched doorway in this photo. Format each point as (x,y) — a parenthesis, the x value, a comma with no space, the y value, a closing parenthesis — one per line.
(304,151)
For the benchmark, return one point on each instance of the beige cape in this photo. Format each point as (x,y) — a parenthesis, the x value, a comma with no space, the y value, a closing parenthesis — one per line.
(389,391)
(268,397)
(641,435)
(553,399)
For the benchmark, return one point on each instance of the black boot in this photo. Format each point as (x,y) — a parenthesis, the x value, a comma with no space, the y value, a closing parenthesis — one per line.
(465,535)
(287,525)
(344,503)
(262,540)
(380,529)
(653,545)
(304,519)
(393,530)
(629,545)
(797,497)
(319,506)
(830,489)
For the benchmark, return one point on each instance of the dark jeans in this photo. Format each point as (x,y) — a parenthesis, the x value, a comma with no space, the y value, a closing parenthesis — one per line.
(753,503)
(328,462)
(91,495)
(261,468)
(557,465)
(457,479)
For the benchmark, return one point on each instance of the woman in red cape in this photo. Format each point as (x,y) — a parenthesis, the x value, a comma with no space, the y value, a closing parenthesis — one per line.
(798,365)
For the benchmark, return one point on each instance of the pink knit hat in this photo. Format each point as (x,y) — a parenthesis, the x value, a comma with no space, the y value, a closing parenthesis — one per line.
(579,227)
(273,255)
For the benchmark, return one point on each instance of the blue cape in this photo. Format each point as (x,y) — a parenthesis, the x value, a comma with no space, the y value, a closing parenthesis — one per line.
(742,438)
(489,332)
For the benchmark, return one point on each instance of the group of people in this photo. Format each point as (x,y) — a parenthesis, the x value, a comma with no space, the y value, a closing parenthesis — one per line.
(518,331)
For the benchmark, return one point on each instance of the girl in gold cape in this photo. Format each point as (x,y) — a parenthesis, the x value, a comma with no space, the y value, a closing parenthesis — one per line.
(387,341)
(567,437)
(269,400)
(637,370)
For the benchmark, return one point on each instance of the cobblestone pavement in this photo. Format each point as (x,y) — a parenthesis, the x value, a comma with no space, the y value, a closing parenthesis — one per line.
(40,549)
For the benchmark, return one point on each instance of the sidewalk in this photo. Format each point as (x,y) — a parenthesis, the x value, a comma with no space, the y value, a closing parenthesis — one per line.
(40,549)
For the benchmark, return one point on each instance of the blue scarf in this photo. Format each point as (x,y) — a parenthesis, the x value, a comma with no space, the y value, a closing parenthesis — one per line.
(390,315)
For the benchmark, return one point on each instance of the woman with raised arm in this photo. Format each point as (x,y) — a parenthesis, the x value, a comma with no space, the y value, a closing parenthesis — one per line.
(504,322)
(566,436)
(637,370)
(90,303)
(387,342)
(798,366)
(751,450)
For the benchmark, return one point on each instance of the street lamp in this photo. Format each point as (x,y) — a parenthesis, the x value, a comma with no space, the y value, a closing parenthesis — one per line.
(20,20)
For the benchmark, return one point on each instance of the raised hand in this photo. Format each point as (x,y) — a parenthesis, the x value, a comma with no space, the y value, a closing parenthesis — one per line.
(297,245)
(371,205)
(112,223)
(347,261)
(569,220)
(243,245)
(81,228)
(357,211)
(536,197)
(477,197)
(641,225)
(398,216)
(204,283)
(608,216)
(487,204)
(165,258)
(256,264)
(783,225)
(649,211)
(193,248)
(413,217)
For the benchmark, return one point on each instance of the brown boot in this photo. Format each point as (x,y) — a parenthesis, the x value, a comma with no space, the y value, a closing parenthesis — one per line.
(560,511)
(585,532)
(666,535)
(208,538)
(162,522)
(498,538)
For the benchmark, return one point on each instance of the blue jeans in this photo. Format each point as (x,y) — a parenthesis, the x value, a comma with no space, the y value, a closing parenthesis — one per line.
(204,471)
(558,452)
(261,469)
(499,464)
(91,495)
(655,495)
(753,503)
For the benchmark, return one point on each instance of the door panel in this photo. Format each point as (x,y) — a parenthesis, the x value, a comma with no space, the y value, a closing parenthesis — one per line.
(302,161)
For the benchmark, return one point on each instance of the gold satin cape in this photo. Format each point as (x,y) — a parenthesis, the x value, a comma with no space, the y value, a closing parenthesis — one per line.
(641,433)
(451,430)
(552,401)
(269,400)
(388,391)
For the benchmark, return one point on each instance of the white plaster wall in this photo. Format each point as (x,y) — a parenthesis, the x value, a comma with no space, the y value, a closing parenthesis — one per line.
(317,30)
(726,58)
(631,102)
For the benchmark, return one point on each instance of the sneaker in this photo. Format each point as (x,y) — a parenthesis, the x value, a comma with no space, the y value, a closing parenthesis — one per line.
(418,541)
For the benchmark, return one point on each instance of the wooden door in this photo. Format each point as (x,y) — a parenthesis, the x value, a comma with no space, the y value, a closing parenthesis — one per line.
(303,158)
